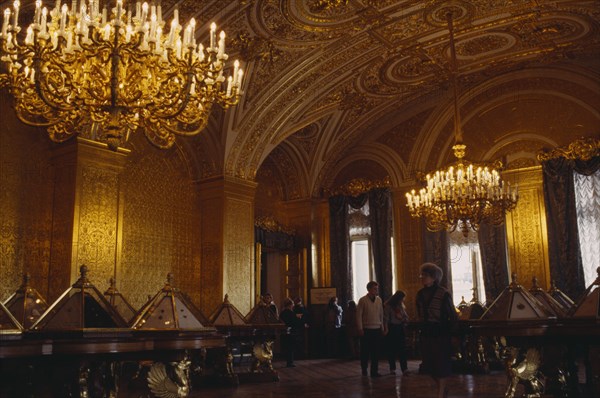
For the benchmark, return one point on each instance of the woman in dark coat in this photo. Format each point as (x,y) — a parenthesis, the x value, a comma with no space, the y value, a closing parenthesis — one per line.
(396,318)
(437,317)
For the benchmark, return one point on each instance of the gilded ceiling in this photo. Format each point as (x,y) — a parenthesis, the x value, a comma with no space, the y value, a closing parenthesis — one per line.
(333,83)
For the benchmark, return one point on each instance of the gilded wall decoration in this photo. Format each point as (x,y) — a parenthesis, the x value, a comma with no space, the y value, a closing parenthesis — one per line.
(526,228)
(97,224)
(161,222)
(61,267)
(584,148)
(358,186)
(238,258)
(289,168)
(26,203)
(270,188)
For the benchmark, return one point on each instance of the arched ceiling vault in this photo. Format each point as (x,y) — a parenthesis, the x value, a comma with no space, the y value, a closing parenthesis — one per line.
(360,74)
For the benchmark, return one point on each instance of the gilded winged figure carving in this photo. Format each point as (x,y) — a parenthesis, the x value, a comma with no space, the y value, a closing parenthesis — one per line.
(161,384)
(524,371)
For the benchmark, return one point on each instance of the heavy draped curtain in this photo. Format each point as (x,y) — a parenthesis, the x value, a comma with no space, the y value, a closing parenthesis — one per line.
(492,247)
(380,219)
(437,251)
(566,268)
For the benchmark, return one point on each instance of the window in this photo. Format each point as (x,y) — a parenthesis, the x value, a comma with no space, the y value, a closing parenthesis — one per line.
(467,275)
(361,267)
(360,249)
(587,202)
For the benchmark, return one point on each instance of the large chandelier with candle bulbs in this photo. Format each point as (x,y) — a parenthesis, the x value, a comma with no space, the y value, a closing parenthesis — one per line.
(464,194)
(105,71)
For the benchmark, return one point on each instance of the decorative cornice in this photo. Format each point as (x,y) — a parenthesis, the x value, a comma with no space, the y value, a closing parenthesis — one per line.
(584,148)
(358,186)
(269,223)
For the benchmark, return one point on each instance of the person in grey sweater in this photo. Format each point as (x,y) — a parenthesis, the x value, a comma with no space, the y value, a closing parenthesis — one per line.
(371,328)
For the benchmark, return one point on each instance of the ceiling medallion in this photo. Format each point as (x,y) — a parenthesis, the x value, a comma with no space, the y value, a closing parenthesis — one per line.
(104,72)
(462,12)
(464,194)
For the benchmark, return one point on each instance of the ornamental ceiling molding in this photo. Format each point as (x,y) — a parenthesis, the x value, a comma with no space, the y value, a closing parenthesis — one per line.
(359,186)
(478,99)
(268,127)
(584,149)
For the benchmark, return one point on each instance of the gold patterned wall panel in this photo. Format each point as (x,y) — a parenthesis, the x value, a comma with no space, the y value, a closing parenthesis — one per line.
(97,224)
(238,258)
(25,204)
(408,240)
(160,228)
(526,229)
(85,212)
(62,228)
(211,271)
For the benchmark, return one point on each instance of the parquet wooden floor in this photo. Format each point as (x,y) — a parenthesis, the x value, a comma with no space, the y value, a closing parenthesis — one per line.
(335,378)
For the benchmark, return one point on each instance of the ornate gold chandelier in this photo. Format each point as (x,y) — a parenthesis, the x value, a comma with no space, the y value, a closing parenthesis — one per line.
(464,194)
(104,73)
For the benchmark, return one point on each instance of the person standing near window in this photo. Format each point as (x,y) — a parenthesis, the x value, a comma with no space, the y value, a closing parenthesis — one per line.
(333,324)
(396,318)
(371,328)
(437,316)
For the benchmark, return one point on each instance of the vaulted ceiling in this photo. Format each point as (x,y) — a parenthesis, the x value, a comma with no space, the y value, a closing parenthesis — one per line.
(338,89)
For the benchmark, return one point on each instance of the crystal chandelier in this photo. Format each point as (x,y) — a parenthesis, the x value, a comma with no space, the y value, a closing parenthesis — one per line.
(464,194)
(105,72)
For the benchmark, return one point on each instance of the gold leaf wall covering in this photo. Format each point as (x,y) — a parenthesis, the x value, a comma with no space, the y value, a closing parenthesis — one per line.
(526,229)
(160,227)
(25,205)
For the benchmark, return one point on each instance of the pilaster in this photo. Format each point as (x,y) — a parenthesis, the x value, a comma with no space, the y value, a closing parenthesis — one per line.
(227,243)
(526,231)
(87,212)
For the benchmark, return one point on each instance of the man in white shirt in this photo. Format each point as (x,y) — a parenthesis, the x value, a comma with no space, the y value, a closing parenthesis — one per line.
(369,318)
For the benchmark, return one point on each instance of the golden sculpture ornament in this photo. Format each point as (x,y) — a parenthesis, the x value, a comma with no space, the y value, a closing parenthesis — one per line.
(107,72)
(584,148)
(358,186)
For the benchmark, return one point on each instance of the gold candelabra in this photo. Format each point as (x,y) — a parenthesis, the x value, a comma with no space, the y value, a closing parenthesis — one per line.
(107,72)
(464,194)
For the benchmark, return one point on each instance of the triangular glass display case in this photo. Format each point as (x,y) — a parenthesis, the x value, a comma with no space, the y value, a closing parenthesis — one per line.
(26,303)
(227,315)
(471,310)
(82,306)
(8,323)
(262,315)
(116,299)
(561,297)
(588,305)
(516,303)
(169,309)
(547,300)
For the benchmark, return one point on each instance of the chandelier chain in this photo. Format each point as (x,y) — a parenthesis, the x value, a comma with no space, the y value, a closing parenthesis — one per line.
(464,194)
